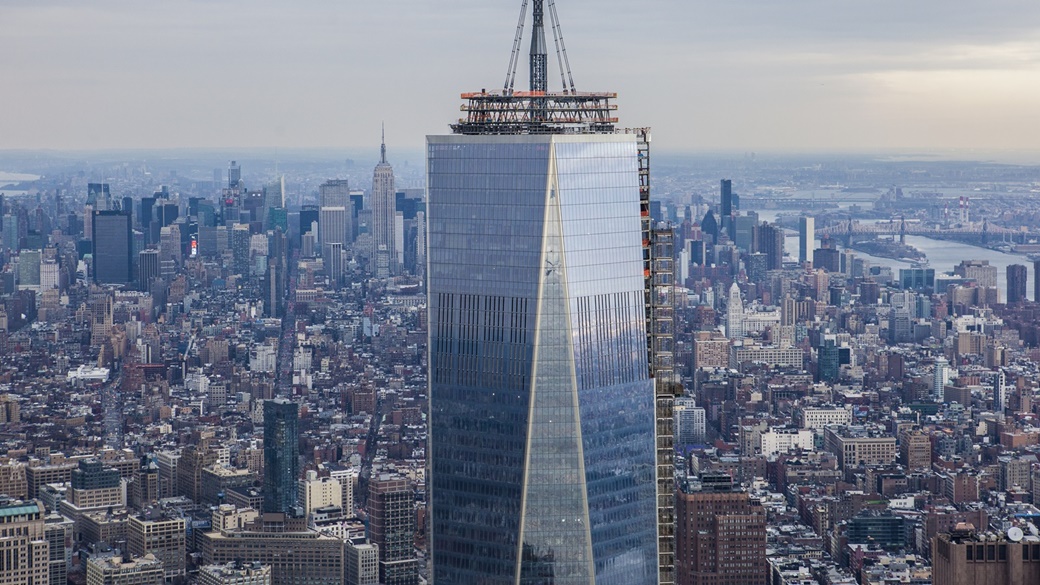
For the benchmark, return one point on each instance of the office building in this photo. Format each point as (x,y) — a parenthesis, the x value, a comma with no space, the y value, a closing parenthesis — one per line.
(915,450)
(99,196)
(316,559)
(332,257)
(734,313)
(111,247)
(965,557)
(95,485)
(855,446)
(160,535)
(771,243)
(1017,275)
(384,213)
(917,278)
(234,175)
(726,205)
(690,422)
(806,238)
(189,467)
(720,535)
(24,550)
(539,375)
(58,531)
(981,271)
(391,526)
(557,396)
(281,455)
(117,570)
(1036,281)
(335,225)
(361,562)
(148,268)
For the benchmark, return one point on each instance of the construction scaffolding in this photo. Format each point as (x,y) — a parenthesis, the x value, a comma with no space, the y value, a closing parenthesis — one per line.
(537,112)
(659,293)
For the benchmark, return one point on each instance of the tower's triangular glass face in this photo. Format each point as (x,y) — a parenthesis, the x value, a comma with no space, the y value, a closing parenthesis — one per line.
(555,537)
(541,408)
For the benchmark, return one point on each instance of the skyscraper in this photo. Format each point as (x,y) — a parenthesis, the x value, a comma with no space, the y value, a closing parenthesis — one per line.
(1016,283)
(806,238)
(542,421)
(1036,280)
(771,243)
(111,248)
(726,204)
(384,212)
(735,314)
(281,455)
(334,217)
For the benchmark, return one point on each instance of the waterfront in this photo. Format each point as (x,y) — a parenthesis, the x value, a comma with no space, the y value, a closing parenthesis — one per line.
(942,255)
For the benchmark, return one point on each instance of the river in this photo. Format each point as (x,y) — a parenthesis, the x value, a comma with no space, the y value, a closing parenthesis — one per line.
(942,255)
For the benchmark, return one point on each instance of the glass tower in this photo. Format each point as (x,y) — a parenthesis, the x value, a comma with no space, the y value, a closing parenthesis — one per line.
(112,243)
(281,455)
(541,406)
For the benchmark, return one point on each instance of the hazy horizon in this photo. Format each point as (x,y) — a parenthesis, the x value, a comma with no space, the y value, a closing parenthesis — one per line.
(806,76)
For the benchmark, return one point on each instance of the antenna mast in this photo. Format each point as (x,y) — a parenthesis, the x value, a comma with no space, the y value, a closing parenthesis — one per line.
(539,56)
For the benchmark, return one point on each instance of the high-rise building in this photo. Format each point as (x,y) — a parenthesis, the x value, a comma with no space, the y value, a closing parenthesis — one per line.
(99,195)
(980,270)
(332,257)
(726,204)
(806,238)
(58,531)
(281,455)
(111,247)
(690,423)
(234,175)
(940,375)
(1036,281)
(391,526)
(1017,275)
(720,535)
(771,243)
(542,409)
(147,268)
(384,213)
(334,214)
(734,314)
(1000,392)
(24,550)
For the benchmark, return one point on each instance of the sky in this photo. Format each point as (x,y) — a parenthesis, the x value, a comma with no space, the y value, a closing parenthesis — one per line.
(724,75)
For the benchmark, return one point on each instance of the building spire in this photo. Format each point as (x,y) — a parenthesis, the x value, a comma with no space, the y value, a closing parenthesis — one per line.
(382,148)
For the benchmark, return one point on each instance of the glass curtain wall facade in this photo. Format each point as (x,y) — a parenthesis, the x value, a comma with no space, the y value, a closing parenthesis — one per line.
(541,406)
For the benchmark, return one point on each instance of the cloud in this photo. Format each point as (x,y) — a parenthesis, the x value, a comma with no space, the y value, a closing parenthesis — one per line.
(747,74)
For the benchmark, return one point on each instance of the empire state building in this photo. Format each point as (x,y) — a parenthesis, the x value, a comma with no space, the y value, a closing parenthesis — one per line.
(384,217)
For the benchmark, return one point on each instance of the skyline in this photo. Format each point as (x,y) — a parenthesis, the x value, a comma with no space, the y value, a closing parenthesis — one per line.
(753,76)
